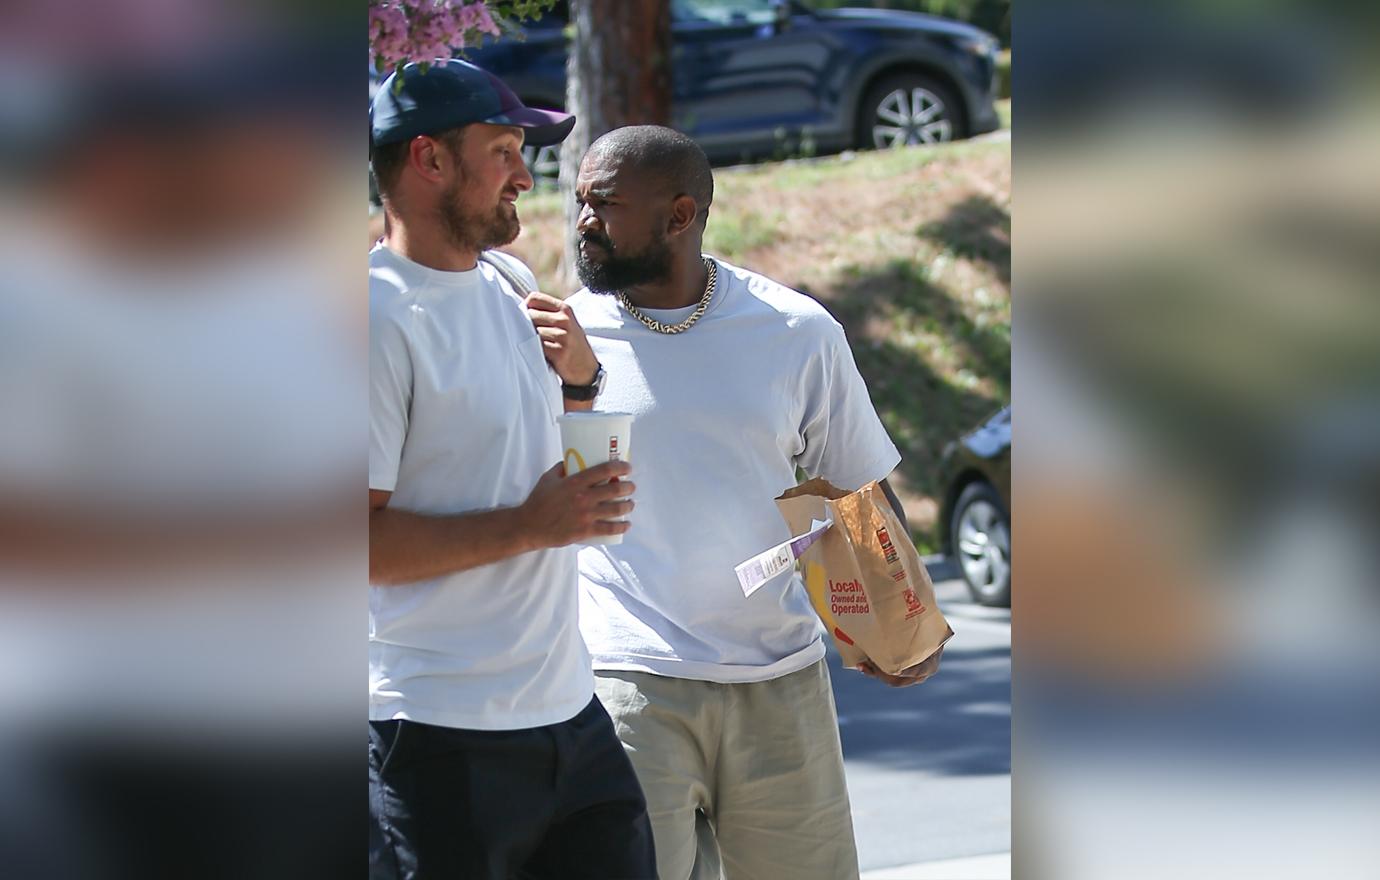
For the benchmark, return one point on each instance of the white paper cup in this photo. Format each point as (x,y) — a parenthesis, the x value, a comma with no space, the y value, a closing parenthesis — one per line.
(590,439)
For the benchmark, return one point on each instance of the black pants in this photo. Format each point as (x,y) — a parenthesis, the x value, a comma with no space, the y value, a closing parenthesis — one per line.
(558,802)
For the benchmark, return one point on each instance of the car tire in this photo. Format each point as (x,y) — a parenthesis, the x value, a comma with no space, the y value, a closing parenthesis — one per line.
(906,109)
(980,542)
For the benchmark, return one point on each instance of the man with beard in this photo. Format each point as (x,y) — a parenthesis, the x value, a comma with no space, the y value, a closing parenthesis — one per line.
(723,702)
(489,756)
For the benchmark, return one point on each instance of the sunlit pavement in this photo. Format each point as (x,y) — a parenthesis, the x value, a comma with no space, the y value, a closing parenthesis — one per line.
(991,867)
(929,767)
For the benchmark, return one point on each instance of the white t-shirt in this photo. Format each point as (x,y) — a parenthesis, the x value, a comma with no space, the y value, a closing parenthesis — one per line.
(765,381)
(462,419)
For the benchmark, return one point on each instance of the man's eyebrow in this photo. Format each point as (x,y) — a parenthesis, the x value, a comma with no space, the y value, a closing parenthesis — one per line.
(602,192)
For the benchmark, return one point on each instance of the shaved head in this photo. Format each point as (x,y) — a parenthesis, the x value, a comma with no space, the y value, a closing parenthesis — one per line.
(663,156)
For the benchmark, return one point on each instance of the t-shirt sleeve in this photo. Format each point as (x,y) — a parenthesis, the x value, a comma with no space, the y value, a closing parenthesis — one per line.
(844,439)
(390,399)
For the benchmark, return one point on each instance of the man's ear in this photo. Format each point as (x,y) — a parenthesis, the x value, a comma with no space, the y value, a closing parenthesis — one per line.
(428,159)
(683,212)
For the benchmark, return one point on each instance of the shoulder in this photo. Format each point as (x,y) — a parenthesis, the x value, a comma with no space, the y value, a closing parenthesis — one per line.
(393,289)
(582,299)
(798,311)
(592,308)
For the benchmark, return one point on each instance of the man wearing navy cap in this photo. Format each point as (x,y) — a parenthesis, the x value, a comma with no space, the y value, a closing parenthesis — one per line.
(489,756)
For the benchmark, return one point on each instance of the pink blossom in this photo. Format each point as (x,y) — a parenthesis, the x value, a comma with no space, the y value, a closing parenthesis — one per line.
(388,36)
(477,17)
(487,23)
(425,30)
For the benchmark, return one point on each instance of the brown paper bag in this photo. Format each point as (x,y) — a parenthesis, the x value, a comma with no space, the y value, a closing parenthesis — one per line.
(865,577)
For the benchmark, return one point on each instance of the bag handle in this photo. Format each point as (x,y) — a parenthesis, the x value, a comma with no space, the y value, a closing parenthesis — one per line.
(519,287)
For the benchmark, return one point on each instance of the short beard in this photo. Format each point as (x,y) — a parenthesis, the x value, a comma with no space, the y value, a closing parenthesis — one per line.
(477,231)
(618,272)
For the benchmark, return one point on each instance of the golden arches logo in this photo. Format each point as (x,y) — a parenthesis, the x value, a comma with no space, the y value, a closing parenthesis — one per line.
(815,585)
(579,459)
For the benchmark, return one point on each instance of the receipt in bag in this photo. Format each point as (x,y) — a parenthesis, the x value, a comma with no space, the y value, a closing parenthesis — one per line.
(769,563)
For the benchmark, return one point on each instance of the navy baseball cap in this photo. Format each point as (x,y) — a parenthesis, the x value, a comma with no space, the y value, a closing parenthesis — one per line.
(451,94)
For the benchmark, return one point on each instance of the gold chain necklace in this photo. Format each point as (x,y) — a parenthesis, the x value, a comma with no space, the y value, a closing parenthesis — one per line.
(670,329)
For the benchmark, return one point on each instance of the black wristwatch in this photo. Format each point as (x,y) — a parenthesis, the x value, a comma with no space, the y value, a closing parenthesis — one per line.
(585,392)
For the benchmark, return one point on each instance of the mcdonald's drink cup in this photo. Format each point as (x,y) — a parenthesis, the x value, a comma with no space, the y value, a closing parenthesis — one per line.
(592,438)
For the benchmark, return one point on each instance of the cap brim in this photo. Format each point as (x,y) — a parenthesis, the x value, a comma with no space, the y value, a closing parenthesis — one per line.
(541,127)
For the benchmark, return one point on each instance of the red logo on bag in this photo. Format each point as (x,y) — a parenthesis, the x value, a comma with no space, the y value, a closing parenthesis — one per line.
(839,634)
(887,549)
(913,606)
(613,448)
(847,597)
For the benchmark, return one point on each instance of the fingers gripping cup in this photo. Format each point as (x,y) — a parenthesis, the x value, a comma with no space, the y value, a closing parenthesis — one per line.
(590,439)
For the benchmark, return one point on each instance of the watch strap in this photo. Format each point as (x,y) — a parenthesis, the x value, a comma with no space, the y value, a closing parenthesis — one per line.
(585,392)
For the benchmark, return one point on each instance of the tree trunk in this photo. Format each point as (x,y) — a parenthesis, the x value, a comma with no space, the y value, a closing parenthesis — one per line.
(618,72)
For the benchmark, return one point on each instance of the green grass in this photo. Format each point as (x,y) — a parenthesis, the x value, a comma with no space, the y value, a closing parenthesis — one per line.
(739,232)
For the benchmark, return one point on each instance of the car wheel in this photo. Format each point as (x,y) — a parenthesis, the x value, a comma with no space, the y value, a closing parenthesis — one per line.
(981,537)
(545,165)
(908,109)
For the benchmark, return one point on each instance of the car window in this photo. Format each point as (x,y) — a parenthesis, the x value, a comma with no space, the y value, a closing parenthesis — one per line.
(725,12)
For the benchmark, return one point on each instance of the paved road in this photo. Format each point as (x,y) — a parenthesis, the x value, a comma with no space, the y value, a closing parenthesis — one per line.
(929,767)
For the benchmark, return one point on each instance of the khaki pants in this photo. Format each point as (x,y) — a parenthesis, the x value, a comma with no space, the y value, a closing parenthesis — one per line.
(746,779)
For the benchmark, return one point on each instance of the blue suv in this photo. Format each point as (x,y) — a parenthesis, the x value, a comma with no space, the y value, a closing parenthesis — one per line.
(754,78)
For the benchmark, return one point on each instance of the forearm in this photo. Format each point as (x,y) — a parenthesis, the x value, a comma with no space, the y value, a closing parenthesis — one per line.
(405,547)
(895,502)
